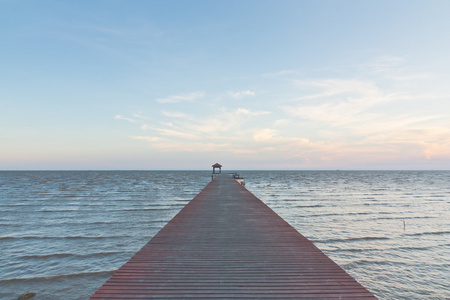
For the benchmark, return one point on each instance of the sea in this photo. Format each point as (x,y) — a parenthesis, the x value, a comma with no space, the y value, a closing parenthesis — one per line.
(64,233)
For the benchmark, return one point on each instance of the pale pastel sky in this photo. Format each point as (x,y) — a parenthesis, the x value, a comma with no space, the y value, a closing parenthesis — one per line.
(249,84)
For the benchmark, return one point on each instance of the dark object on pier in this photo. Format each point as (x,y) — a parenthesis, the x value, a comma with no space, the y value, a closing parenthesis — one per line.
(238,178)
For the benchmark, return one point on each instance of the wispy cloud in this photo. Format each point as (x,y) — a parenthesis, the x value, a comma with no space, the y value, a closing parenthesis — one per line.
(243,111)
(334,87)
(359,118)
(147,138)
(140,32)
(140,117)
(341,102)
(173,114)
(263,135)
(241,94)
(120,117)
(393,68)
(176,134)
(221,130)
(281,73)
(181,98)
(383,64)
(195,147)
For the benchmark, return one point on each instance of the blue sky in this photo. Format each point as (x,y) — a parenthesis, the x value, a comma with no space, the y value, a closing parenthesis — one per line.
(249,84)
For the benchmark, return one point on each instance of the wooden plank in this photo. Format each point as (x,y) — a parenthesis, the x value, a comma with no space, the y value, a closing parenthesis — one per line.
(226,243)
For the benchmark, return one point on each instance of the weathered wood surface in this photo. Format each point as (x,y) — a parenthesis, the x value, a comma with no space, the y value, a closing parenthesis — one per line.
(226,243)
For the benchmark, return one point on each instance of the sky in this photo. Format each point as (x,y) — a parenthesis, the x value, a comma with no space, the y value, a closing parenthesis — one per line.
(166,85)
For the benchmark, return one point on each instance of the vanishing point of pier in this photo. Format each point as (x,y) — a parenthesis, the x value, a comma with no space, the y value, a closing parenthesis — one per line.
(227,244)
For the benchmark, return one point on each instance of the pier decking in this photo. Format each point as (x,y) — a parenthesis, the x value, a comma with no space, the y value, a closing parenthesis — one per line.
(226,243)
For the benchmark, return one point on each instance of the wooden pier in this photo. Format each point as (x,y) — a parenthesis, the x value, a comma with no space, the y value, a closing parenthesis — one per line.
(227,244)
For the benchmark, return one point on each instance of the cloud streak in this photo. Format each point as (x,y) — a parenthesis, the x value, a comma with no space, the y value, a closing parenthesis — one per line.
(120,117)
(181,98)
(223,130)
(341,102)
(242,94)
(147,138)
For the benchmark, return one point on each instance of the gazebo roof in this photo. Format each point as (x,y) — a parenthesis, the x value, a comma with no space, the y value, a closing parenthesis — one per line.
(217,165)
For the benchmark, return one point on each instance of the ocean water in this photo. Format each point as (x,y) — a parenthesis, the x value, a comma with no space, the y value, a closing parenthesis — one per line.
(63,233)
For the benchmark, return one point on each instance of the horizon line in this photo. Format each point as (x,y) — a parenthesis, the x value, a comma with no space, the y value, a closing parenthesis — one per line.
(204,170)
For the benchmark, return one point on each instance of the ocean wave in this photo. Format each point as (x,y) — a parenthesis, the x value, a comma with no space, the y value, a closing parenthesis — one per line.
(314,205)
(55,277)
(143,209)
(355,239)
(399,248)
(115,222)
(175,204)
(62,237)
(64,255)
(112,210)
(428,233)
(366,262)
(396,217)
(95,237)
(419,248)
(325,215)
(342,214)
(58,210)
(347,250)
(80,223)
(55,255)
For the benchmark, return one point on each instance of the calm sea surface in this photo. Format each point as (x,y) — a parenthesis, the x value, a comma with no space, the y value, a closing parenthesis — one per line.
(63,234)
